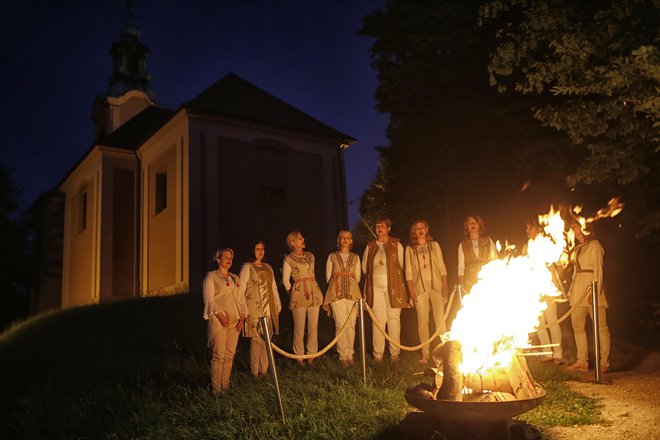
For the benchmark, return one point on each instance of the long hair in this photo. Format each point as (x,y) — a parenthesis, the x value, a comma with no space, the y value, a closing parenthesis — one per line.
(480,222)
(413,237)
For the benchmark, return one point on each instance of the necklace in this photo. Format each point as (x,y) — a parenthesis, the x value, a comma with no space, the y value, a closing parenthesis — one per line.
(381,251)
(226,278)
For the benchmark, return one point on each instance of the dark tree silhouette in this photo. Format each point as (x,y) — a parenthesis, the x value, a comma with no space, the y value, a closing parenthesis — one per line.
(14,262)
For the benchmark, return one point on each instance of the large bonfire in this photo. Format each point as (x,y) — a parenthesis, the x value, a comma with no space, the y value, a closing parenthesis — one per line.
(504,306)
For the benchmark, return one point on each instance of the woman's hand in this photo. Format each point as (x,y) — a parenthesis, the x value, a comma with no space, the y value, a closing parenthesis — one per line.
(223,318)
(239,324)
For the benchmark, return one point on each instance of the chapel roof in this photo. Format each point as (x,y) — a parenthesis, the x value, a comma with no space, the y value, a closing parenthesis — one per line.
(234,97)
(138,129)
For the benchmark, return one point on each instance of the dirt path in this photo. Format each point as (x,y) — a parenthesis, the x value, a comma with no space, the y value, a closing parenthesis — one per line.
(630,399)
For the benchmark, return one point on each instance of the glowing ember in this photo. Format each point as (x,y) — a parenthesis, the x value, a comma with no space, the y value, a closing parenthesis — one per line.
(614,208)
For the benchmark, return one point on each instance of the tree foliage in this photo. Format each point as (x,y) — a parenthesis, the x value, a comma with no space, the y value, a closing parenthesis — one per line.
(455,144)
(14,262)
(593,69)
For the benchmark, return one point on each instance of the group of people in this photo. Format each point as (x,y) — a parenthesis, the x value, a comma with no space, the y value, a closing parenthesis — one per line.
(394,278)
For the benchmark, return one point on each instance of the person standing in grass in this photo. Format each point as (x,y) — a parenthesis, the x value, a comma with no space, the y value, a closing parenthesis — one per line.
(426,276)
(258,286)
(384,287)
(305,295)
(224,312)
(342,272)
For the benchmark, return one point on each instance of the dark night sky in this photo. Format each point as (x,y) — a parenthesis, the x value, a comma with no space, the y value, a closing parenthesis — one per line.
(56,58)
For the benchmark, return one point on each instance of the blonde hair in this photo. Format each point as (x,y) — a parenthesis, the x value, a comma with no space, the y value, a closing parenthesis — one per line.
(291,236)
(413,236)
(221,251)
(344,231)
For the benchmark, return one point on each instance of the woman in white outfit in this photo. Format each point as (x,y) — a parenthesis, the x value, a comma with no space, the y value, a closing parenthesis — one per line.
(260,290)
(587,256)
(426,277)
(305,295)
(384,287)
(342,272)
(224,312)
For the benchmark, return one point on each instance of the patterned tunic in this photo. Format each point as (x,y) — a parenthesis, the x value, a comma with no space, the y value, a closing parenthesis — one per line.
(395,283)
(261,297)
(343,284)
(305,291)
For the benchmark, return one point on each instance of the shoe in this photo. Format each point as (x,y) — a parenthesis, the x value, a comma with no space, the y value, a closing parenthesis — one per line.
(310,361)
(394,358)
(547,358)
(557,361)
(344,362)
(579,366)
(300,363)
(378,359)
(350,361)
(605,370)
(424,360)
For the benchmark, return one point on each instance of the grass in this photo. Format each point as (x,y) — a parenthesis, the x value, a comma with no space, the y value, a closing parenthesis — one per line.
(138,369)
(562,407)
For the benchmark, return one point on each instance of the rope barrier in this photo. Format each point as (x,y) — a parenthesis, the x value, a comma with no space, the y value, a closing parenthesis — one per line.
(565,315)
(380,327)
(300,357)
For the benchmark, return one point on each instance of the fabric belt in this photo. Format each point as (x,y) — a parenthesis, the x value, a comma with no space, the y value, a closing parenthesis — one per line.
(304,280)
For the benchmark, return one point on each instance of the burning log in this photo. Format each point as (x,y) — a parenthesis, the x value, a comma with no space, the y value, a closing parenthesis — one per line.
(496,380)
(449,353)
(520,378)
(515,379)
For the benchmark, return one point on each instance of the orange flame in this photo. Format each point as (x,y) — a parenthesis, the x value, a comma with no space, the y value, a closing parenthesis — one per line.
(512,292)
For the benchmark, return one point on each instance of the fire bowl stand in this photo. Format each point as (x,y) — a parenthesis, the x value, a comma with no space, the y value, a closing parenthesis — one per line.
(474,420)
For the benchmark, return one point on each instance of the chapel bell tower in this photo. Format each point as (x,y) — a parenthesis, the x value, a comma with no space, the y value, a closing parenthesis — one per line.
(128,88)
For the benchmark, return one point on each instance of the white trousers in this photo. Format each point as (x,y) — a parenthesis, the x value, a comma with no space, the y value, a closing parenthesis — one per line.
(430,299)
(550,315)
(578,321)
(222,341)
(341,309)
(388,317)
(300,315)
(258,356)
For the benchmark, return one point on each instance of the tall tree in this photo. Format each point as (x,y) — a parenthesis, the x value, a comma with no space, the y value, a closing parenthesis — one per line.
(14,263)
(592,68)
(455,144)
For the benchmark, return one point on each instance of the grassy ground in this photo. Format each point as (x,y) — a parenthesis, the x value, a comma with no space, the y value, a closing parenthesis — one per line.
(139,370)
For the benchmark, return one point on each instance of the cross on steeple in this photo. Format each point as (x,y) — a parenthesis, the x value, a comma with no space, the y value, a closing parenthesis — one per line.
(128,88)
(129,60)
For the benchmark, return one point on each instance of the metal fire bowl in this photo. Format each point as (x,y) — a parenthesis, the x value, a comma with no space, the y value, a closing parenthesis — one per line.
(474,412)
